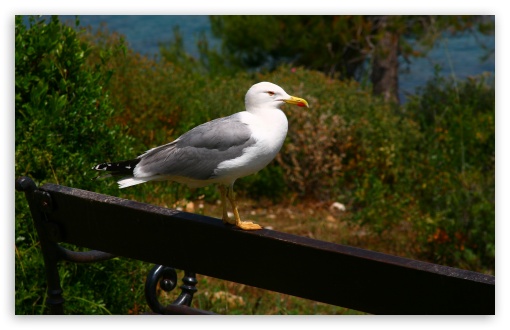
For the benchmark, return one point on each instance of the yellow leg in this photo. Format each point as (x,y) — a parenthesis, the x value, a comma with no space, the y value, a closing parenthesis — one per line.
(246,225)
(223,191)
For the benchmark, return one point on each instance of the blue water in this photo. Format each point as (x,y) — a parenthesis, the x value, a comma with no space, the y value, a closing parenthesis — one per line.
(144,33)
(458,56)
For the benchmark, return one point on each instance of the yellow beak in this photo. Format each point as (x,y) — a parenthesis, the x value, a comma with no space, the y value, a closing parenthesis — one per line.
(297,101)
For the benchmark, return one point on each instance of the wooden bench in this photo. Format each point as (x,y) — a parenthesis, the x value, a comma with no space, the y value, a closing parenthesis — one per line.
(335,274)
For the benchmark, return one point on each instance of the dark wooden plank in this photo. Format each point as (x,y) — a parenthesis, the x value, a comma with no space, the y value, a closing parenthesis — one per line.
(331,273)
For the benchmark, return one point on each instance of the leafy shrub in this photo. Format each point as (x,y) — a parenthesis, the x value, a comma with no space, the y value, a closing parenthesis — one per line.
(457,170)
(62,111)
(63,128)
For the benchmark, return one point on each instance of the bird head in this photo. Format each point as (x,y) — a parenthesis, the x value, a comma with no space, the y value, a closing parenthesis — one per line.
(266,94)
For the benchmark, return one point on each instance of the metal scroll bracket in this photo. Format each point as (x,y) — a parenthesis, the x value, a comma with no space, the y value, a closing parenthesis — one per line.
(167,279)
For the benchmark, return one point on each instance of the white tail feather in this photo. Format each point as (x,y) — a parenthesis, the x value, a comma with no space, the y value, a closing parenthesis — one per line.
(128,182)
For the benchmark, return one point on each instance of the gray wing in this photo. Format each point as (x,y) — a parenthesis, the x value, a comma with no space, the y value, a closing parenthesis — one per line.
(197,153)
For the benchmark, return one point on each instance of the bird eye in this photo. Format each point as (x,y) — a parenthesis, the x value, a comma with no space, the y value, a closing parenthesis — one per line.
(270,93)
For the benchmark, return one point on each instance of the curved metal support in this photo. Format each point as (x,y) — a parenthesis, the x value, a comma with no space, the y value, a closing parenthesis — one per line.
(167,279)
(83,257)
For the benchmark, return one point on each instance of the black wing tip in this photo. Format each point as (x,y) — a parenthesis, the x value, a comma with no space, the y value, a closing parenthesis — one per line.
(100,167)
(122,167)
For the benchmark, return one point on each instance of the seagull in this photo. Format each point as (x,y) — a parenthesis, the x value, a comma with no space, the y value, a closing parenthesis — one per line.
(217,152)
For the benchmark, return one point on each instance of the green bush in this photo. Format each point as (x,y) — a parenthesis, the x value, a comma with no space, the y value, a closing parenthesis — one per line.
(456,164)
(63,128)
(62,111)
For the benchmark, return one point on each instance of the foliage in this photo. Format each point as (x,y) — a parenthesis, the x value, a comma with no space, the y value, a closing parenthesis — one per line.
(347,46)
(335,45)
(427,166)
(63,128)
(62,110)
(457,170)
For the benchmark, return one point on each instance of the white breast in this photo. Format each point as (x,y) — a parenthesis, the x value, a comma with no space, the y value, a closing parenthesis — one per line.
(269,129)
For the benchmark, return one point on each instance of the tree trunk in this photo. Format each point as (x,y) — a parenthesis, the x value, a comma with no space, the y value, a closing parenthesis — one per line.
(384,75)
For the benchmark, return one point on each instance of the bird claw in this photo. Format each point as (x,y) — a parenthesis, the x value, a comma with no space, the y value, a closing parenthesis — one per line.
(248,225)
